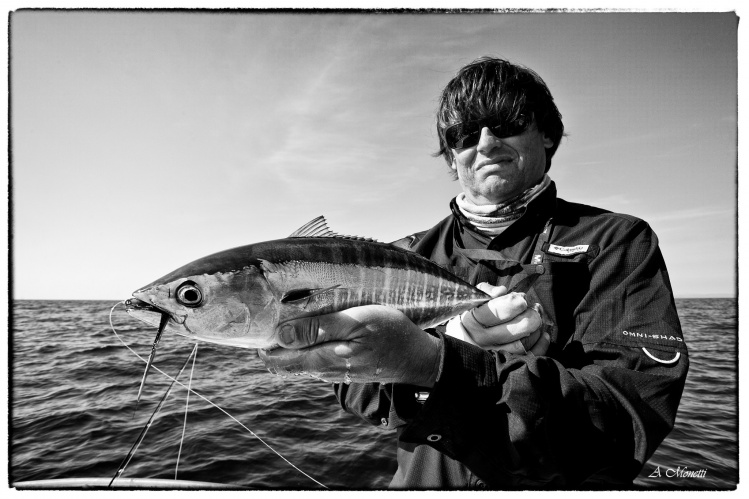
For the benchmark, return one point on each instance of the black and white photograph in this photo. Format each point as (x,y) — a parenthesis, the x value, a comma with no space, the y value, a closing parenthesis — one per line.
(377,248)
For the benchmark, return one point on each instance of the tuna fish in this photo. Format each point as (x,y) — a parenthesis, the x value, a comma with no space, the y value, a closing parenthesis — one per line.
(238,297)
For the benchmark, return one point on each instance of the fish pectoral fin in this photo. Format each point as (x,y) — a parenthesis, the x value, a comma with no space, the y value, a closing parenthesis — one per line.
(298,296)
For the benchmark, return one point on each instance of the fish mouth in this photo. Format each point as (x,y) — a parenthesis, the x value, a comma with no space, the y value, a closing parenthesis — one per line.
(274,346)
(133,304)
(147,312)
(142,304)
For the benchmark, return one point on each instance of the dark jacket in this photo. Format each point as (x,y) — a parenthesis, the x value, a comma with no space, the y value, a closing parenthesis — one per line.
(590,412)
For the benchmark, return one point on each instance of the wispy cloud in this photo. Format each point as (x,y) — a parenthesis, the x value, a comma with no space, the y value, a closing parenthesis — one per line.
(613,201)
(692,214)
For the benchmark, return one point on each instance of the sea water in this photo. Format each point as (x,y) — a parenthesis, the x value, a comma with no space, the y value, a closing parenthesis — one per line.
(73,387)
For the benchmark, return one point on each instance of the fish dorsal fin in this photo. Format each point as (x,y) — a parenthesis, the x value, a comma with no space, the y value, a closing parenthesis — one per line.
(318,227)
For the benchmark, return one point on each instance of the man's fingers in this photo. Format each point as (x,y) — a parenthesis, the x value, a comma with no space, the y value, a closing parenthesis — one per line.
(541,346)
(521,346)
(500,309)
(320,360)
(310,331)
(361,344)
(493,291)
(313,345)
(516,328)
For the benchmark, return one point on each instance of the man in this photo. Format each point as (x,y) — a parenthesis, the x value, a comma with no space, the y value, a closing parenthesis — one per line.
(570,384)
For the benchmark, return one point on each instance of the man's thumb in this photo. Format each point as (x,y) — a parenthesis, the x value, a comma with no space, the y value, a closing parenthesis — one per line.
(303,333)
(493,291)
(299,333)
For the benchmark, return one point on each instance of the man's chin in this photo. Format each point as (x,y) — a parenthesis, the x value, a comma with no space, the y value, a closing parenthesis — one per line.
(498,191)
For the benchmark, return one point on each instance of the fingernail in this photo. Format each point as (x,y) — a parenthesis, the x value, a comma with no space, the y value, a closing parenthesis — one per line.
(287,334)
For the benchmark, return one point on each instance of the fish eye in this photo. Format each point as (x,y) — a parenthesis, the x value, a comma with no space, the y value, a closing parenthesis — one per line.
(189,295)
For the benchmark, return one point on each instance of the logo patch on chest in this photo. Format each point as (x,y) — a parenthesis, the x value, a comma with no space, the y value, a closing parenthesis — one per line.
(567,250)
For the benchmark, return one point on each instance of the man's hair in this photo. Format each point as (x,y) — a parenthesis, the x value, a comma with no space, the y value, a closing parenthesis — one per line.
(490,86)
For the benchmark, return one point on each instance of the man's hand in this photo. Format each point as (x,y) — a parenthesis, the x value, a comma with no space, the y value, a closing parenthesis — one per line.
(363,344)
(506,323)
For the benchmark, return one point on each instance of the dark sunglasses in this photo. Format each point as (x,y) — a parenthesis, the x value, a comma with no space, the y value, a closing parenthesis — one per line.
(467,134)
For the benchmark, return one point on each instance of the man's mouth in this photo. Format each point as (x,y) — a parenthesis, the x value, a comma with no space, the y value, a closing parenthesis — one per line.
(501,161)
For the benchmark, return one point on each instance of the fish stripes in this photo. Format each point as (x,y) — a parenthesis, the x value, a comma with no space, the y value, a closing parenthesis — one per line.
(380,274)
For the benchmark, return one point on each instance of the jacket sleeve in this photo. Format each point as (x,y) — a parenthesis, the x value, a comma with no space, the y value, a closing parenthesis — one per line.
(389,406)
(370,401)
(591,420)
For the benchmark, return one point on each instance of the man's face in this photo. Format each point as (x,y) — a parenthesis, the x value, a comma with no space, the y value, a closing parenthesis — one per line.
(496,170)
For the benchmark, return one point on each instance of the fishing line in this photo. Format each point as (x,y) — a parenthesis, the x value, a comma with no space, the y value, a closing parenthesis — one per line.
(134,448)
(206,399)
(162,325)
(187,404)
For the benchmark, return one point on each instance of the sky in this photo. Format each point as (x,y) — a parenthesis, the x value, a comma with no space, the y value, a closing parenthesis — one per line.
(143,140)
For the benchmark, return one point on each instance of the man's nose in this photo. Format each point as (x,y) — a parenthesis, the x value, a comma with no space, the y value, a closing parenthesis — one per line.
(488,141)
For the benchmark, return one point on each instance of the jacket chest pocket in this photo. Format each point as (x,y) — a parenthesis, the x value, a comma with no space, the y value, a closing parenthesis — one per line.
(560,290)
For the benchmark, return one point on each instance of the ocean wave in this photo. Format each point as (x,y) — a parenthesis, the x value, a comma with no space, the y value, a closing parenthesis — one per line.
(74,386)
